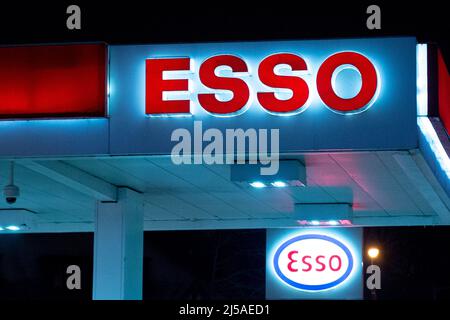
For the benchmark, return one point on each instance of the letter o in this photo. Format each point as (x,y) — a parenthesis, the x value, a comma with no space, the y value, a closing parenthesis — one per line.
(339,263)
(368,87)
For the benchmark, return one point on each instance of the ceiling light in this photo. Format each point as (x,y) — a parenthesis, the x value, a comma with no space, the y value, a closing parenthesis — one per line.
(279,184)
(257,184)
(13,228)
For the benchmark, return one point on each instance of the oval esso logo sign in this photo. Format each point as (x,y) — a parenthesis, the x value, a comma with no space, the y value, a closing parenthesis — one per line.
(313,262)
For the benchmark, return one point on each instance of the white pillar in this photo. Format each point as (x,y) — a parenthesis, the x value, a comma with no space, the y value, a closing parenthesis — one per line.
(118,248)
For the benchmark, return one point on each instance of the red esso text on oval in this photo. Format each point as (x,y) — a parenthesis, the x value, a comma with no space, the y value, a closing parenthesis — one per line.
(156,85)
(307,263)
(313,262)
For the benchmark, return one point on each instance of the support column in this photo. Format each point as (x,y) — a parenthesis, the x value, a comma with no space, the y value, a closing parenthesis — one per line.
(118,248)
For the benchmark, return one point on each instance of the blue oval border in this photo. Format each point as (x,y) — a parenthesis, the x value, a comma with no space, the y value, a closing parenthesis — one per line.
(307,286)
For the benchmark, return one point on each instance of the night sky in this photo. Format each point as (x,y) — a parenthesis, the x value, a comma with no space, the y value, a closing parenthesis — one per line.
(193,21)
(215,264)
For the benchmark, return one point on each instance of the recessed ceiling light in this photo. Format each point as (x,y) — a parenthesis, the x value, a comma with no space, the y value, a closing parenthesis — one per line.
(279,184)
(257,184)
(13,228)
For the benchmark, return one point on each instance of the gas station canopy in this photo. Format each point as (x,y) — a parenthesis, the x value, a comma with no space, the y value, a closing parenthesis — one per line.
(79,122)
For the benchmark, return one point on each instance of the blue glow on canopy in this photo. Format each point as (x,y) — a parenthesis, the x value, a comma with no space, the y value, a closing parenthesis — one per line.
(422,80)
(435,144)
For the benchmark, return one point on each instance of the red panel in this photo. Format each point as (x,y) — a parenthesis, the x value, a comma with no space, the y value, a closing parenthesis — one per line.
(53,81)
(444,92)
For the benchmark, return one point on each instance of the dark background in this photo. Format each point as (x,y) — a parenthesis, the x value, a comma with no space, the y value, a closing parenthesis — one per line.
(215,265)
(189,21)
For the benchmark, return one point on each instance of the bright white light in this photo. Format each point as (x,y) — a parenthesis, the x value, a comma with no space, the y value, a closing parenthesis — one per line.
(422,80)
(435,144)
(333,223)
(315,223)
(13,228)
(257,184)
(279,184)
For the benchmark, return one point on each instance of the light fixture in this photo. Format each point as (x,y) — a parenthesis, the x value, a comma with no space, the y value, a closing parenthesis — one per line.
(275,184)
(435,144)
(422,79)
(291,173)
(373,252)
(12,228)
(324,223)
(17,220)
(327,214)
(257,184)
(279,184)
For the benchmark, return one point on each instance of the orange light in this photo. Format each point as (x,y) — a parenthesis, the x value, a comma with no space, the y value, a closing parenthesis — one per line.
(373,252)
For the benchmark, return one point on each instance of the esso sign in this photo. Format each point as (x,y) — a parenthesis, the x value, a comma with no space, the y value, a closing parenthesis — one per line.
(313,262)
(242,91)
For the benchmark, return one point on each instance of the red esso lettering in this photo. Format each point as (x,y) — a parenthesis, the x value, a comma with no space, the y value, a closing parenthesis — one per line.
(241,92)
(298,86)
(319,263)
(156,85)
